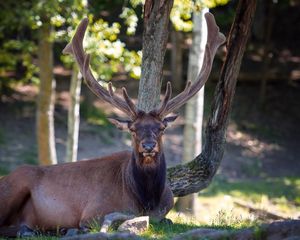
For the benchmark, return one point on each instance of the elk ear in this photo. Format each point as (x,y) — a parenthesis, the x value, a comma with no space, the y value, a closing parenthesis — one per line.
(120,124)
(170,119)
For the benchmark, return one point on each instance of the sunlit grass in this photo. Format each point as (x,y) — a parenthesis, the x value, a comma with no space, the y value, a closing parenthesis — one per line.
(276,194)
(163,231)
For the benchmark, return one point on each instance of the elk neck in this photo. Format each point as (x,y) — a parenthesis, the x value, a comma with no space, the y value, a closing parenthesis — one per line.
(146,183)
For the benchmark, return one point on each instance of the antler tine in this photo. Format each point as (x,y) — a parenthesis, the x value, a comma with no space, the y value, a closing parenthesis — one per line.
(75,48)
(127,99)
(129,102)
(166,99)
(214,40)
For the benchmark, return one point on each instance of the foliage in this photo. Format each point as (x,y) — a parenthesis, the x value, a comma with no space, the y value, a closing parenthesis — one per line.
(19,24)
(181,14)
(102,40)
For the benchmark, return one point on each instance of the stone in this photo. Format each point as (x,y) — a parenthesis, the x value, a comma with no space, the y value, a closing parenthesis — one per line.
(72,232)
(136,225)
(112,218)
(103,236)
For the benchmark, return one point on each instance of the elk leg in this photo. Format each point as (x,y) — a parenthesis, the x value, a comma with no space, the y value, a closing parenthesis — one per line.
(165,205)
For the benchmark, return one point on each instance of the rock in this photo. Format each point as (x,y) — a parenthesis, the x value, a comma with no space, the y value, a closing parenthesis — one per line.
(26,232)
(103,236)
(112,218)
(72,232)
(136,225)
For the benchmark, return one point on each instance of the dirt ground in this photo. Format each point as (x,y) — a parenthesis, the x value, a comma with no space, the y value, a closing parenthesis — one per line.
(260,143)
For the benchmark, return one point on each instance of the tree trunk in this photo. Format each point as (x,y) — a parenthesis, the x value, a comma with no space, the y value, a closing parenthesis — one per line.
(46,98)
(73,115)
(176,59)
(266,60)
(192,136)
(155,36)
(197,174)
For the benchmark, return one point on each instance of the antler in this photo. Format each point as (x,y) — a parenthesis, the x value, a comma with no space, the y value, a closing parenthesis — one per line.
(214,40)
(75,48)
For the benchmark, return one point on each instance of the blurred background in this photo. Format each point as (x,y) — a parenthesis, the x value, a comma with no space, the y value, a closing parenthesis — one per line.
(259,177)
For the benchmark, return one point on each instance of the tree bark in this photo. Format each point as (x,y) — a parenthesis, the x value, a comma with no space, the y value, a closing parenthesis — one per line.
(46,98)
(73,115)
(197,174)
(155,36)
(192,134)
(176,59)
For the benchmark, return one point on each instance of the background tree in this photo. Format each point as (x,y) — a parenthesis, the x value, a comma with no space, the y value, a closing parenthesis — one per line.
(185,16)
(194,109)
(46,99)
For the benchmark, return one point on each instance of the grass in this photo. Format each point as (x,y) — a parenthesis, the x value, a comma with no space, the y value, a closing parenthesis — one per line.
(164,231)
(275,188)
(278,194)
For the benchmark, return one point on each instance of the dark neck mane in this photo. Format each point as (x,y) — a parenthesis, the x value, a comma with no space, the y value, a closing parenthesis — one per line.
(147,184)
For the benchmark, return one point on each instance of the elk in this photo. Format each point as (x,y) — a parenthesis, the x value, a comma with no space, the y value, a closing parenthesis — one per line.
(73,194)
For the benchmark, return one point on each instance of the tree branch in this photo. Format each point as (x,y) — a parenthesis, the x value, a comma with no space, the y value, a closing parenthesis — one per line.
(197,174)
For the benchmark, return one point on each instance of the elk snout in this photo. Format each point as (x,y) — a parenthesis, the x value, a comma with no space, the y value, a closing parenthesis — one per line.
(148,146)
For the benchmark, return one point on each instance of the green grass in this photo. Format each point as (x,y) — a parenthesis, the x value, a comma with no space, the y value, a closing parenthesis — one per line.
(164,231)
(274,188)
(276,194)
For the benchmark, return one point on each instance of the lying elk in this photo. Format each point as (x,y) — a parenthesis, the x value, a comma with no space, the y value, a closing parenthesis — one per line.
(72,194)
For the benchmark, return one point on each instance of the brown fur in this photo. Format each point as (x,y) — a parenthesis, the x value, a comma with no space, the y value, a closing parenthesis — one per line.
(71,194)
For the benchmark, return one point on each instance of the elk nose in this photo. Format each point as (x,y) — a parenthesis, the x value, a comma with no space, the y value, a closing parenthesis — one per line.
(148,146)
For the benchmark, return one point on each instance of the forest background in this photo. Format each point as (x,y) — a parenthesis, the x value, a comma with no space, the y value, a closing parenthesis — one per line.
(261,165)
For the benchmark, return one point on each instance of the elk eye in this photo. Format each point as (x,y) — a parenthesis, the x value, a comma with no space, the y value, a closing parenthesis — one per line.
(162,128)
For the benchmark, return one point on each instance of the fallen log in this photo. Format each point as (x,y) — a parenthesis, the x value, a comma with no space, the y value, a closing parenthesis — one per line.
(260,213)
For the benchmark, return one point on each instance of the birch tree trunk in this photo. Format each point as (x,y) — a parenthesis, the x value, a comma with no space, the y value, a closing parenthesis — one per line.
(73,115)
(192,136)
(46,98)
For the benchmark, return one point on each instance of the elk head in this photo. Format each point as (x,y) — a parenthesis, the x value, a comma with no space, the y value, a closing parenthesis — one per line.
(146,128)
